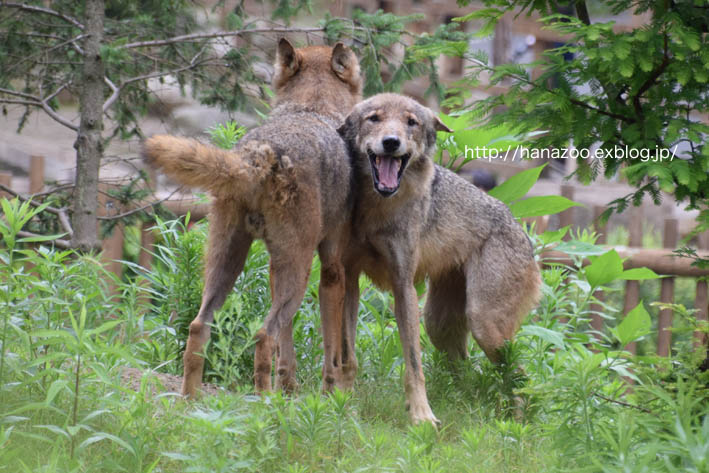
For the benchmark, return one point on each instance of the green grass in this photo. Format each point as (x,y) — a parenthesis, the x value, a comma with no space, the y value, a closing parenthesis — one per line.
(367,430)
(65,408)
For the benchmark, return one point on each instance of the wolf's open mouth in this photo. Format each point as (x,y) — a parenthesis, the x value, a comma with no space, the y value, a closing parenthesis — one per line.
(387,171)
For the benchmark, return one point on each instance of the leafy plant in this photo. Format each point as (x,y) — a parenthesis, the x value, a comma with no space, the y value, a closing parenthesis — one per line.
(626,97)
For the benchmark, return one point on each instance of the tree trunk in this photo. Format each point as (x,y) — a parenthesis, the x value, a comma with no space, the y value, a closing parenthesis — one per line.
(89,144)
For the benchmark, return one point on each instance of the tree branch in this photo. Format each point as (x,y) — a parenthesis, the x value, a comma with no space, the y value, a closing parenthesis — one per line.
(117,89)
(218,34)
(582,12)
(18,94)
(114,95)
(34,203)
(602,112)
(41,103)
(546,89)
(46,11)
(621,403)
(651,80)
(140,209)
(65,222)
(60,213)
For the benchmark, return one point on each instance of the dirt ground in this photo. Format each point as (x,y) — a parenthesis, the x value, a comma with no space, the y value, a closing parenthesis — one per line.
(167,383)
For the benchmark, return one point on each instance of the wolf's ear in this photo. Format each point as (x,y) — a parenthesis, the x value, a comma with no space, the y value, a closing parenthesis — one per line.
(345,65)
(433,126)
(348,130)
(287,61)
(438,125)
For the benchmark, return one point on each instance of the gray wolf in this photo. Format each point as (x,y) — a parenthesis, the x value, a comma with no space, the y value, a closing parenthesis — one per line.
(414,219)
(288,183)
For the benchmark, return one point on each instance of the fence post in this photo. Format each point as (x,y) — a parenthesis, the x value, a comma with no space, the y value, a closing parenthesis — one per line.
(147,237)
(5,180)
(597,320)
(667,293)
(701,302)
(112,245)
(632,288)
(36,174)
(567,216)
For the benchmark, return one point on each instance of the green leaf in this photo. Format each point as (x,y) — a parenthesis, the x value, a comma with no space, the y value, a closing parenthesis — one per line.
(106,436)
(626,68)
(480,14)
(105,327)
(621,49)
(56,429)
(604,269)
(550,336)
(553,236)
(580,248)
(517,186)
(683,75)
(177,456)
(638,274)
(634,326)
(38,238)
(53,390)
(541,205)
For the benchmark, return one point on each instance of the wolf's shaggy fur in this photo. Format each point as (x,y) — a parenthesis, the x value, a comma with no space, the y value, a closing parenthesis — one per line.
(414,219)
(287,182)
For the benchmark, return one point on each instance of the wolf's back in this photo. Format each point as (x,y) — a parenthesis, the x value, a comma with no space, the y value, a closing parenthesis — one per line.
(222,172)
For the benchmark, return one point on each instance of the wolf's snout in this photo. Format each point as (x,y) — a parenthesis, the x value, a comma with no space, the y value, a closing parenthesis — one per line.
(391,143)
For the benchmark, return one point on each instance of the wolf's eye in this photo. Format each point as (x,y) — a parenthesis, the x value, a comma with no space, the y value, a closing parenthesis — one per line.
(412,122)
(373,118)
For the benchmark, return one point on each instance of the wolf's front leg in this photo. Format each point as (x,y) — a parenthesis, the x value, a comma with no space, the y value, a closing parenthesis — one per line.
(407,319)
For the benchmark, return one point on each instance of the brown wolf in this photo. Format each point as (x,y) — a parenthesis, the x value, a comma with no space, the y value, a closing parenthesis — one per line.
(287,182)
(414,219)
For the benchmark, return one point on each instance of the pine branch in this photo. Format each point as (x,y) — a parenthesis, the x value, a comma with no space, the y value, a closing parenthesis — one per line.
(114,95)
(651,80)
(533,84)
(46,11)
(117,89)
(140,209)
(34,101)
(221,34)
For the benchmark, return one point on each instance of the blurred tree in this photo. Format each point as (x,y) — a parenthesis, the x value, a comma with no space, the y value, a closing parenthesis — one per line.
(619,89)
(105,53)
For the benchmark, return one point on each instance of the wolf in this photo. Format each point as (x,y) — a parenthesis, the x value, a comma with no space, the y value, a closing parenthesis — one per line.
(414,219)
(286,182)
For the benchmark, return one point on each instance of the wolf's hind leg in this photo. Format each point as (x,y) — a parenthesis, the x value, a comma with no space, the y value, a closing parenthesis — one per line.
(228,246)
(349,328)
(444,314)
(285,361)
(332,301)
(290,277)
(502,287)
(285,353)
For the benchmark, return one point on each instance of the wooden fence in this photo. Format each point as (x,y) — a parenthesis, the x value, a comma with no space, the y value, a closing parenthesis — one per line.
(659,260)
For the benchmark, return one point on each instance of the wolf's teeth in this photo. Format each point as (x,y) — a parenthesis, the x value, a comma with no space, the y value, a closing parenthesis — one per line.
(378,161)
(398,164)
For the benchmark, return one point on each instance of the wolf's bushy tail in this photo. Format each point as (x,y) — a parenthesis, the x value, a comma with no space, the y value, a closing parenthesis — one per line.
(222,172)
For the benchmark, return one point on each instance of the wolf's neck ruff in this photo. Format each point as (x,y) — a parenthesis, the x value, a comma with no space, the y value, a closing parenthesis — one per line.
(290,108)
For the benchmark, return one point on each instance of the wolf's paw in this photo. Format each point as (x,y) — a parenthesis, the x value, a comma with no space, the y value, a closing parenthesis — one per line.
(422,413)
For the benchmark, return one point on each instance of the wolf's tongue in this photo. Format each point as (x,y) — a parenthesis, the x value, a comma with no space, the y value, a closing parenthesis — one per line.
(387,172)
